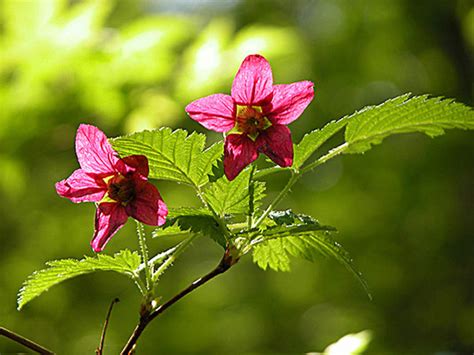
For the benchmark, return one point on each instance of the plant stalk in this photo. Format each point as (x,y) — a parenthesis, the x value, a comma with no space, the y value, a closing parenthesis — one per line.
(225,264)
(293,179)
(144,253)
(100,349)
(25,342)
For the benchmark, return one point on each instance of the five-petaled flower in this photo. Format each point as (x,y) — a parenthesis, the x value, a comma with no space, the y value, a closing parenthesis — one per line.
(255,116)
(118,186)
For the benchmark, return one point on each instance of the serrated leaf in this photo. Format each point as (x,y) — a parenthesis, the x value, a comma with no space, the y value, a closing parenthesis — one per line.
(403,115)
(315,139)
(272,253)
(233,197)
(124,262)
(192,220)
(172,155)
(288,217)
(300,236)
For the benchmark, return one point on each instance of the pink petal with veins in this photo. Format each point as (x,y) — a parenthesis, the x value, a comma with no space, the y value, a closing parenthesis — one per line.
(82,187)
(147,206)
(93,150)
(275,142)
(215,112)
(239,151)
(289,101)
(253,82)
(133,164)
(109,218)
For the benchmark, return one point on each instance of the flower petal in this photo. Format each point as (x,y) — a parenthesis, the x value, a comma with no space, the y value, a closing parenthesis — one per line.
(109,218)
(133,164)
(82,187)
(239,151)
(275,143)
(253,82)
(215,112)
(148,206)
(289,101)
(93,150)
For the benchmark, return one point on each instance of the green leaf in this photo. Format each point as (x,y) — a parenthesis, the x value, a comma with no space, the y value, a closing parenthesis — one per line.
(192,220)
(272,253)
(315,139)
(172,155)
(299,236)
(288,217)
(403,115)
(233,197)
(124,262)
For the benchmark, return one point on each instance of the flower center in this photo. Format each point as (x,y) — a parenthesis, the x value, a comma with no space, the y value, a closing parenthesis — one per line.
(251,121)
(121,189)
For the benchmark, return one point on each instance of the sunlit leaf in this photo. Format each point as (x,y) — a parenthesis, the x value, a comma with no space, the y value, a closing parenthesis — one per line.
(233,197)
(172,155)
(403,115)
(124,262)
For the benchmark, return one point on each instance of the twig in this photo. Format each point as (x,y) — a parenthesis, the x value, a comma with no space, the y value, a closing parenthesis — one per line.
(227,261)
(100,349)
(24,341)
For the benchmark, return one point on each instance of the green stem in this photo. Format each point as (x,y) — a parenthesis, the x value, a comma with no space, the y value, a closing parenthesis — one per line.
(138,281)
(221,223)
(293,179)
(173,256)
(331,154)
(269,171)
(251,188)
(144,253)
(158,257)
(276,169)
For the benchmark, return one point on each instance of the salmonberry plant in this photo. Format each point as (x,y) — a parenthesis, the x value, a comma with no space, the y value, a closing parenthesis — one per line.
(115,174)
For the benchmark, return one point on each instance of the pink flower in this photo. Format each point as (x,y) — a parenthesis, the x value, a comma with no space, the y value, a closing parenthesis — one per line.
(119,186)
(255,116)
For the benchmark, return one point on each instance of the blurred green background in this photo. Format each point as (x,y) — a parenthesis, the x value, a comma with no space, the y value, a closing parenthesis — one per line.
(404,210)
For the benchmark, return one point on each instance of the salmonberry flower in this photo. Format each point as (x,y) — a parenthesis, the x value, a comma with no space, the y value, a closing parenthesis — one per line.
(255,116)
(118,186)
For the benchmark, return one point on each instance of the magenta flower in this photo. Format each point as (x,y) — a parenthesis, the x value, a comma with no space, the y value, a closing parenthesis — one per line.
(255,116)
(118,186)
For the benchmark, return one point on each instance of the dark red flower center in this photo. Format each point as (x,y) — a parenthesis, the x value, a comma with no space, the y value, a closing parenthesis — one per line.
(121,189)
(251,121)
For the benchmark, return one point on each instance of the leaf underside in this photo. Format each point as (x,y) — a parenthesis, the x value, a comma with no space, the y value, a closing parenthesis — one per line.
(124,262)
(192,220)
(299,236)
